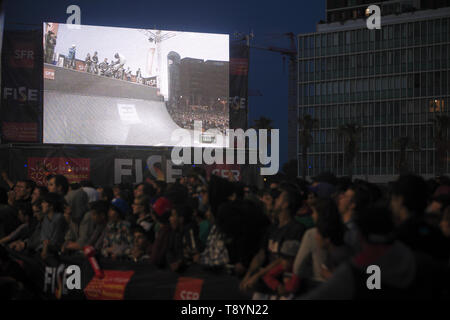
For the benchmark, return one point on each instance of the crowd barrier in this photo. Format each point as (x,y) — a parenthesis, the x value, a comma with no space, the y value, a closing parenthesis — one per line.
(124,280)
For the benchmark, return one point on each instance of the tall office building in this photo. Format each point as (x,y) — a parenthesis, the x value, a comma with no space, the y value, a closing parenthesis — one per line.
(392,82)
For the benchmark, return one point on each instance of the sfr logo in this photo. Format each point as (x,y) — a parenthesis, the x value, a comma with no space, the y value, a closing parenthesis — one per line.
(188,289)
(22,57)
(189,295)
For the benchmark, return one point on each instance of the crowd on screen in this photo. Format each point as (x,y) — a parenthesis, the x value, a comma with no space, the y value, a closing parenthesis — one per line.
(210,119)
(292,239)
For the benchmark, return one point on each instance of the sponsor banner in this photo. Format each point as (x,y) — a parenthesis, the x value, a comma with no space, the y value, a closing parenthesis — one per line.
(125,280)
(102,165)
(22,55)
(111,287)
(20,131)
(74,169)
(106,166)
(239,63)
(188,289)
(21,99)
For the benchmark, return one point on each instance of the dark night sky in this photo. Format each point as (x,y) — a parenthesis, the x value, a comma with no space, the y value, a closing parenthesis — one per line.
(265,18)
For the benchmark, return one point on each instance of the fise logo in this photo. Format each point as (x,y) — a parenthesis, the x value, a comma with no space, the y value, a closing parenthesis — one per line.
(22,56)
(62,279)
(21,94)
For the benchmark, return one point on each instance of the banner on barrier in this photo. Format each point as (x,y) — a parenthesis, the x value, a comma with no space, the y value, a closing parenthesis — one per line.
(111,287)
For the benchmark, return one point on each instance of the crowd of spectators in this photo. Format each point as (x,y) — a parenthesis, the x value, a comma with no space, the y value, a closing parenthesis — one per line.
(292,239)
(210,119)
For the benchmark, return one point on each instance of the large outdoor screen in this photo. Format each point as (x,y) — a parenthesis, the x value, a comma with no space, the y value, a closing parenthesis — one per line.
(133,87)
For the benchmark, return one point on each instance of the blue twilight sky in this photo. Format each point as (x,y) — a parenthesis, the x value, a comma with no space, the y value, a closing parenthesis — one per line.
(267,19)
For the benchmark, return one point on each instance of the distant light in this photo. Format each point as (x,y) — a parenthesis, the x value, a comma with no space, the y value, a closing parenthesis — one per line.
(67,163)
(265,179)
(368,12)
(193,165)
(25,165)
(70,170)
(310,167)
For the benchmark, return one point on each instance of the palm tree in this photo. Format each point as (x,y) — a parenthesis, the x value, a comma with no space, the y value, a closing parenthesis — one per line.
(351,133)
(441,142)
(402,143)
(307,124)
(263,123)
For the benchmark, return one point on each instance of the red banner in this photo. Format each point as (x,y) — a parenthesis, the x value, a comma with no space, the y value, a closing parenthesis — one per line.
(20,131)
(111,287)
(188,289)
(75,169)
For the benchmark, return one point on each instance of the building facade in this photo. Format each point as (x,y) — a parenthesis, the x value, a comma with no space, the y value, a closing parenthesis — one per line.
(392,82)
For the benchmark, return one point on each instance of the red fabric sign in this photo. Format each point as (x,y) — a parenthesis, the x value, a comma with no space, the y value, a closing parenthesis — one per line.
(111,287)
(188,289)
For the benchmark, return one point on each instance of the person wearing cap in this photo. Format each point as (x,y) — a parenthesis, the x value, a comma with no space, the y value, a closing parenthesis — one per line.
(117,238)
(280,278)
(403,273)
(161,211)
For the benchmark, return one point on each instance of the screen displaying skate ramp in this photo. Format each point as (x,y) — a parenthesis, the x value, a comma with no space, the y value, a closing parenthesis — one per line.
(134,87)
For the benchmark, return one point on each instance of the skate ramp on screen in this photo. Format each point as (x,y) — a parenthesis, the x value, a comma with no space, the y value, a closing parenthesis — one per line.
(78,119)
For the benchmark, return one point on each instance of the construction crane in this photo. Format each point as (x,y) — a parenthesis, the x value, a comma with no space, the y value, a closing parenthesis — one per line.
(291,54)
(157,36)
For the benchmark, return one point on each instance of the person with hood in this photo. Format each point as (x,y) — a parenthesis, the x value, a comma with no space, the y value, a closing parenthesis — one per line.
(404,274)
